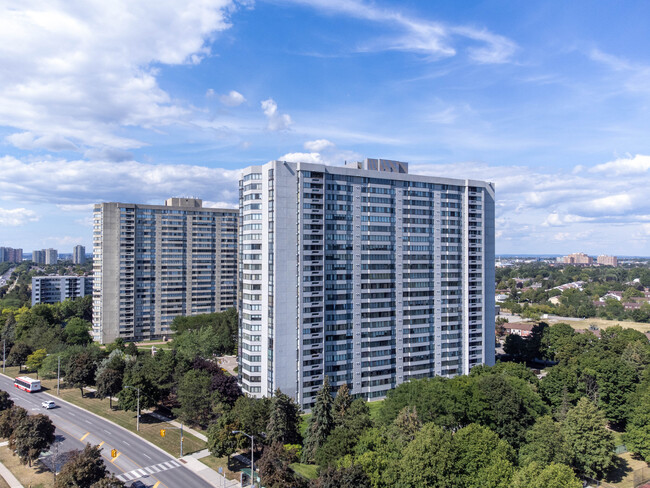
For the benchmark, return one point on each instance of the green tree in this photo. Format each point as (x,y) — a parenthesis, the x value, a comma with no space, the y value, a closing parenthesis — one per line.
(221,440)
(406,425)
(555,337)
(380,456)
(194,398)
(588,439)
(482,459)
(135,378)
(109,384)
(274,467)
(80,371)
(505,404)
(284,420)
(535,475)
(637,436)
(545,444)
(110,482)
(31,436)
(429,460)
(344,437)
(77,332)
(18,355)
(83,468)
(321,422)
(341,403)
(35,359)
(5,402)
(10,418)
(351,477)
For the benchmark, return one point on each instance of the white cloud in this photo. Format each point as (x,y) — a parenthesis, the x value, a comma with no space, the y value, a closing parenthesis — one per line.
(74,74)
(232,99)
(625,166)
(12,217)
(65,240)
(301,157)
(318,145)
(276,120)
(82,182)
(433,39)
(76,207)
(553,220)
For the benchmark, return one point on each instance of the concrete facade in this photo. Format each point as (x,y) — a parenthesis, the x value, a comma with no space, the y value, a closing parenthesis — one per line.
(10,255)
(79,255)
(54,289)
(153,263)
(363,273)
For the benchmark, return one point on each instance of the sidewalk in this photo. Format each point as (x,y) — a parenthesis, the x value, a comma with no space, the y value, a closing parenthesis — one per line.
(208,474)
(8,475)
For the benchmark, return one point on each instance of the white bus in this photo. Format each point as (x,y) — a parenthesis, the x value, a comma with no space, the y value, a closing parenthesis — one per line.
(28,384)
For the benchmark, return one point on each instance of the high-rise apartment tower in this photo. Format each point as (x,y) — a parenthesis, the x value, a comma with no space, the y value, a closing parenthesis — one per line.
(364,273)
(152,263)
(79,255)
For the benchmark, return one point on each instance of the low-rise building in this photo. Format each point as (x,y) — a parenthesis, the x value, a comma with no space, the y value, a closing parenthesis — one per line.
(54,289)
(523,329)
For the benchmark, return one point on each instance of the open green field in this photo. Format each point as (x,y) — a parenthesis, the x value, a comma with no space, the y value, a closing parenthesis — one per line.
(309,471)
(35,477)
(602,324)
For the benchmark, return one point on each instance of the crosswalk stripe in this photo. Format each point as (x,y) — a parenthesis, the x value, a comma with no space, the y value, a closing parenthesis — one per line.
(146,471)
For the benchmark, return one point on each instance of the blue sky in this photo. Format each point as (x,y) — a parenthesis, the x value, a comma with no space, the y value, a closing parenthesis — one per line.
(549,100)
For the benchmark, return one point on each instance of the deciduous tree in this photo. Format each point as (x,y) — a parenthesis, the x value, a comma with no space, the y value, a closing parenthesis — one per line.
(83,468)
(31,436)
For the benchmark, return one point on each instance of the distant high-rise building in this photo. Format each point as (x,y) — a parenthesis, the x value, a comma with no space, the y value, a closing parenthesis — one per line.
(51,256)
(38,257)
(365,274)
(54,289)
(10,255)
(79,255)
(607,260)
(578,258)
(153,263)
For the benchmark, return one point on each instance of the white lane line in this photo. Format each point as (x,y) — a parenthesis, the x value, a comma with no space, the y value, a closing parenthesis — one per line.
(146,456)
(127,443)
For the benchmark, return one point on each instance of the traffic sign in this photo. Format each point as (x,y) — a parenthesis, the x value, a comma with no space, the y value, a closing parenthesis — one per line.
(162,432)
(113,453)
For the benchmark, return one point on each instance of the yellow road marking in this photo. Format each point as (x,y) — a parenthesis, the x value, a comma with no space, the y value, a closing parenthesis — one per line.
(118,455)
(100,444)
(156,485)
(84,436)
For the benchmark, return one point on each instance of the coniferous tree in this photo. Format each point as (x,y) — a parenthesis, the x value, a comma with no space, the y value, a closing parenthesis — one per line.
(284,421)
(341,404)
(321,422)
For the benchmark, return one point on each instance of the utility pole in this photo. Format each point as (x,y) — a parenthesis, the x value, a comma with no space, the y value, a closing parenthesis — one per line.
(58,375)
(4,357)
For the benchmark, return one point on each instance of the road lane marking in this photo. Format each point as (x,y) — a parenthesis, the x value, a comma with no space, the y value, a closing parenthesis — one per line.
(100,444)
(148,471)
(127,443)
(148,457)
(156,485)
(115,458)
(84,436)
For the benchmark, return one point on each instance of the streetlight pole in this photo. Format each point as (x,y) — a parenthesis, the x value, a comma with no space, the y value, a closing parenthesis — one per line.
(137,418)
(252,454)
(58,374)
(4,350)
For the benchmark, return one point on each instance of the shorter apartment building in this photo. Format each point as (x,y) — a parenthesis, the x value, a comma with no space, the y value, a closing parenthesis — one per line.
(604,260)
(54,289)
(578,258)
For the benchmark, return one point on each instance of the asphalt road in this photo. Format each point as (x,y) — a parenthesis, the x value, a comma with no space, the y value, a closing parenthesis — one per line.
(137,462)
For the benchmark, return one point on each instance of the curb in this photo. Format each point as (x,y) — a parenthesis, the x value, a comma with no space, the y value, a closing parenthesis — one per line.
(107,420)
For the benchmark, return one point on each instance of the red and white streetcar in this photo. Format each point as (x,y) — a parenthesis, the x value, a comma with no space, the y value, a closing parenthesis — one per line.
(28,384)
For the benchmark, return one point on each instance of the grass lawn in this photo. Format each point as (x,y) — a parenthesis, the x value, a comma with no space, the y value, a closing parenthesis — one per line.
(309,471)
(375,406)
(623,475)
(230,468)
(602,324)
(149,426)
(35,477)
